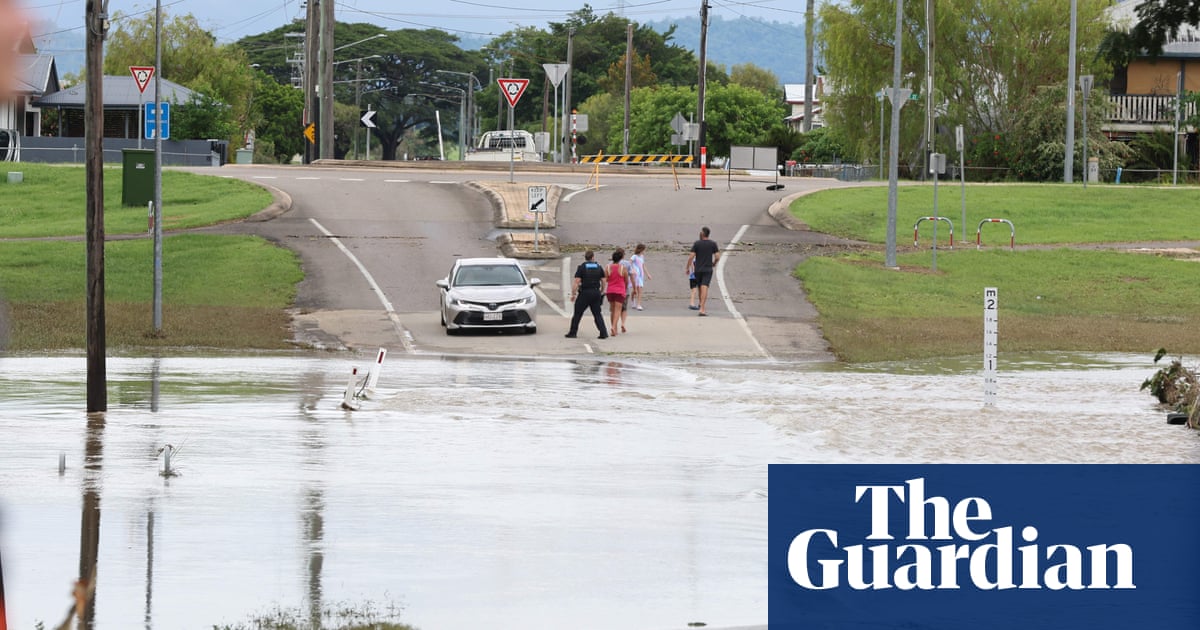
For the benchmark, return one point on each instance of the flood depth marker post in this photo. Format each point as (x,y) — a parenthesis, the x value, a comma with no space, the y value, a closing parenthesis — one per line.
(991,337)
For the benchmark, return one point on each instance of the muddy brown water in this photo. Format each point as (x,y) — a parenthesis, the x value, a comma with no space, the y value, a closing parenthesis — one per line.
(469,492)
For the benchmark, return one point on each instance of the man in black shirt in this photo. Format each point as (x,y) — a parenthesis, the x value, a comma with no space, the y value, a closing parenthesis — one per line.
(588,293)
(705,255)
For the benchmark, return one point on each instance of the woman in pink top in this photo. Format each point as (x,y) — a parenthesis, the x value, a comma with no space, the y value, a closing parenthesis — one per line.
(618,277)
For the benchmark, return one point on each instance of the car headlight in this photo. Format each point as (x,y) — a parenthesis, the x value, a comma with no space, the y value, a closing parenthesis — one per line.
(526,301)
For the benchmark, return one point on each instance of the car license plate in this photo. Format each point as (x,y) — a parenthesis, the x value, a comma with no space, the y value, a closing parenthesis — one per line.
(493,317)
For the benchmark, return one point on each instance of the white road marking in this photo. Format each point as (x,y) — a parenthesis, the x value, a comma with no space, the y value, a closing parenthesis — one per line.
(568,198)
(396,181)
(545,298)
(307,178)
(264,177)
(720,273)
(588,347)
(442,182)
(352,179)
(405,338)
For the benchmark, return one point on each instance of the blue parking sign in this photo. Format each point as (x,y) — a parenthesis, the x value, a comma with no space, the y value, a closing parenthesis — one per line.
(152,121)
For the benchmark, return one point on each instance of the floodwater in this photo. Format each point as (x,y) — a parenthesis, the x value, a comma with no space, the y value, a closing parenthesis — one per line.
(481,492)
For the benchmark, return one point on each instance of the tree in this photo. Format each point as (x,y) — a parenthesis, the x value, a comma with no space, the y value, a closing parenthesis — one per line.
(279,113)
(992,58)
(756,78)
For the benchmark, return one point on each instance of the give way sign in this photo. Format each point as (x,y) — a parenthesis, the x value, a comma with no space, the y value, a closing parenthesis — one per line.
(513,89)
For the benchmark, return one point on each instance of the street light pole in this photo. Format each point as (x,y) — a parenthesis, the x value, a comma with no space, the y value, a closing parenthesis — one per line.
(1069,161)
(894,147)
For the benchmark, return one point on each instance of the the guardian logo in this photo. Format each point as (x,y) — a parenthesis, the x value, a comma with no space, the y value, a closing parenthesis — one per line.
(947,545)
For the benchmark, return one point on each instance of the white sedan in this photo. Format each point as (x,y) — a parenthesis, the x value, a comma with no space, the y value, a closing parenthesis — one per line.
(488,293)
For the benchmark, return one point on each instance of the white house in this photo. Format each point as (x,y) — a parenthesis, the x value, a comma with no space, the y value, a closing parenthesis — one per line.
(37,76)
(794,95)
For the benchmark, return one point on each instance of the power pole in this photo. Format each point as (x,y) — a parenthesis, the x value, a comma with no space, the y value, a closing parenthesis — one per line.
(894,141)
(312,44)
(809,80)
(628,82)
(327,23)
(96,21)
(157,316)
(700,142)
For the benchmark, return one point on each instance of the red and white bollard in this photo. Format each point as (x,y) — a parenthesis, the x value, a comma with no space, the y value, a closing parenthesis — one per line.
(703,169)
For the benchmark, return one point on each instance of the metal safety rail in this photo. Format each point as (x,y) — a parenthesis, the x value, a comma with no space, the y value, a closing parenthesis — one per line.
(1012,237)
(636,159)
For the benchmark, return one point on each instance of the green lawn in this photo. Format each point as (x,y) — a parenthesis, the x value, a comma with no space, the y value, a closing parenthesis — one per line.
(52,201)
(1041,213)
(1050,299)
(218,291)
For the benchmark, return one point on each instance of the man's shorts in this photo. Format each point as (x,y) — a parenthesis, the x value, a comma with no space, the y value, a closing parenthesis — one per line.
(704,278)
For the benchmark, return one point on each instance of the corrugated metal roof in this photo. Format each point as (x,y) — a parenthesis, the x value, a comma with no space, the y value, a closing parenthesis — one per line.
(794,92)
(35,74)
(119,92)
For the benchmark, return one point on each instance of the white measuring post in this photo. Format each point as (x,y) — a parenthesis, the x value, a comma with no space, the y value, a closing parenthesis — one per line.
(375,369)
(537,205)
(990,341)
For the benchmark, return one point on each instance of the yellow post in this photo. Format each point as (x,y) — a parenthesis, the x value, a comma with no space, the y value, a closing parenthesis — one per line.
(595,171)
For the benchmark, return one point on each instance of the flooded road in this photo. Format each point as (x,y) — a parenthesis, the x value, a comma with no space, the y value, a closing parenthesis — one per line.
(472,492)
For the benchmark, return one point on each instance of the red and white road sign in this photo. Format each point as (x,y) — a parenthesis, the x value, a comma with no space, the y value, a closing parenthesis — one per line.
(512,89)
(142,75)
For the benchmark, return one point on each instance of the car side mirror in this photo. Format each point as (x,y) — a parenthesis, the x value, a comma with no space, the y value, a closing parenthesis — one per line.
(533,282)
(443,284)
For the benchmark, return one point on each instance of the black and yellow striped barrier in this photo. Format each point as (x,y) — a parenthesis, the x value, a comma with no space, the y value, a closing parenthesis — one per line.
(636,159)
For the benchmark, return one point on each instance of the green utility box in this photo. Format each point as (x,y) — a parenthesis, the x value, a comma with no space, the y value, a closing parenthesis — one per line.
(137,177)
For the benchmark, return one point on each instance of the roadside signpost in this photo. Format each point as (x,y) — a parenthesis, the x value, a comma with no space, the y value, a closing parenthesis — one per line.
(537,205)
(368,121)
(512,89)
(310,133)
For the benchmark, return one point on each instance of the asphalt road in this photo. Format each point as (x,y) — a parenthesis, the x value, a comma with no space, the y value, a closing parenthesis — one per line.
(374,241)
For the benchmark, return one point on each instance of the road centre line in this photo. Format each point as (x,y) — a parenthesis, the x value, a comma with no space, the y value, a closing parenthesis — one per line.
(352,179)
(387,305)
(307,178)
(396,181)
(720,273)
(261,176)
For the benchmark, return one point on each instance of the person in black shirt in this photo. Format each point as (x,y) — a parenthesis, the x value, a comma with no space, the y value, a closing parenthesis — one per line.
(588,293)
(704,256)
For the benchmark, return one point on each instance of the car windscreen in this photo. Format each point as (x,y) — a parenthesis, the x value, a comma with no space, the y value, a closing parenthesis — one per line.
(488,276)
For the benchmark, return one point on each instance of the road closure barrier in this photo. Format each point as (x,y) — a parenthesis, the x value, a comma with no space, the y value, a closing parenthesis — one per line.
(600,158)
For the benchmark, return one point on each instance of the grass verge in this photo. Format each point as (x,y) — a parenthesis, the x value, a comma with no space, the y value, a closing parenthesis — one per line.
(218,291)
(1061,299)
(52,201)
(1042,214)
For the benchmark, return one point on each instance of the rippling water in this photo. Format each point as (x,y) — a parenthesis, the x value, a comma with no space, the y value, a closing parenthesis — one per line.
(533,494)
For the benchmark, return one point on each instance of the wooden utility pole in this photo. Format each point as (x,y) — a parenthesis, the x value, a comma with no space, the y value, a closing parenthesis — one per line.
(810,82)
(312,44)
(700,141)
(96,22)
(327,24)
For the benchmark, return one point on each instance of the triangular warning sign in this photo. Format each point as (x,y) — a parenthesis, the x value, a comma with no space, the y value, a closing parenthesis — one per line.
(142,75)
(512,89)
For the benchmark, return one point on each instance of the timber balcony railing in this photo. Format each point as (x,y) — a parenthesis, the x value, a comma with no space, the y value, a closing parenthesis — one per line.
(1146,110)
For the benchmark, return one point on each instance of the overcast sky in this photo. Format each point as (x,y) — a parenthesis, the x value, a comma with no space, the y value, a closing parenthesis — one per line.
(233,19)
